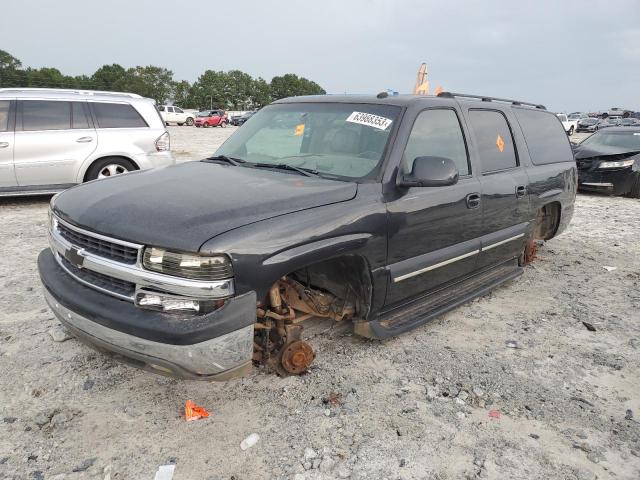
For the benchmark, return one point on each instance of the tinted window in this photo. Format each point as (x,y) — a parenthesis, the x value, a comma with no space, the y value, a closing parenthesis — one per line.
(117,115)
(170,109)
(493,140)
(437,133)
(45,115)
(545,136)
(4,115)
(178,110)
(78,116)
(161,108)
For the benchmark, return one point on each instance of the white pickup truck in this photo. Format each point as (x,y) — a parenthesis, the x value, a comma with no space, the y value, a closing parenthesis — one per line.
(173,114)
(569,125)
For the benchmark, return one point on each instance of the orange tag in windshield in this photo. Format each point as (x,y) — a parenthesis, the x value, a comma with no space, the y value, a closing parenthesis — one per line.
(299,130)
(500,143)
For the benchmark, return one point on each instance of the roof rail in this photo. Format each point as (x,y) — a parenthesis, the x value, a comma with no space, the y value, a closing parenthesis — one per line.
(70,90)
(490,99)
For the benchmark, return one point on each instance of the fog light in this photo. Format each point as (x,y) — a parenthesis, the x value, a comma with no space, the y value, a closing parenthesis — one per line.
(172,303)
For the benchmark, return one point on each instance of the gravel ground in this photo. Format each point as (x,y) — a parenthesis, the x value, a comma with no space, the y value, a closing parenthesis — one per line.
(512,385)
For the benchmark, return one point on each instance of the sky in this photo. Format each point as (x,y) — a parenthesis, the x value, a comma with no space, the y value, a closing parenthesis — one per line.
(568,55)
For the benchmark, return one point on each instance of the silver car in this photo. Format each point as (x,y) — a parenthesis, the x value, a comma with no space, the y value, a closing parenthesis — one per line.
(52,139)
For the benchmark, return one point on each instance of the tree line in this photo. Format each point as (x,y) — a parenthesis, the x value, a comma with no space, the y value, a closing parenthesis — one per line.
(232,90)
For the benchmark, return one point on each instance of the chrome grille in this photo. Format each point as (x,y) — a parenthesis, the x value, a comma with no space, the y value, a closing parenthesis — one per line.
(103,248)
(112,285)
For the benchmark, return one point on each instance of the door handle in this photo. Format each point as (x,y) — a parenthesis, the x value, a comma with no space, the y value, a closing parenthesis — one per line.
(4,144)
(473,200)
(521,191)
(84,139)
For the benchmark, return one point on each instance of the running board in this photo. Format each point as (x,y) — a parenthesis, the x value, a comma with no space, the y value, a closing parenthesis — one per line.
(422,310)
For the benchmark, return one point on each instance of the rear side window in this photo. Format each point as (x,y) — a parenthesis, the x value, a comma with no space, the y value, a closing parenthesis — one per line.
(78,116)
(117,115)
(45,115)
(4,115)
(493,139)
(545,136)
(437,133)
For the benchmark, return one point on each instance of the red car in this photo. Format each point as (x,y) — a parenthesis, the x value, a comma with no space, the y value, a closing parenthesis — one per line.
(211,118)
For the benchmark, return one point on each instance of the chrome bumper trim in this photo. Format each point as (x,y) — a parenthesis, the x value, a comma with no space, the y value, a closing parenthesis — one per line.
(210,358)
(136,274)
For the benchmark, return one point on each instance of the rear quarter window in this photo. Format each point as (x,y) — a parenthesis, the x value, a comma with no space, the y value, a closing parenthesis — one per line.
(545,136)
(117,115)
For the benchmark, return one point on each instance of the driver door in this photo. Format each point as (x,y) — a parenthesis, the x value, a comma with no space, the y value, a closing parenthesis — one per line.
(433,231)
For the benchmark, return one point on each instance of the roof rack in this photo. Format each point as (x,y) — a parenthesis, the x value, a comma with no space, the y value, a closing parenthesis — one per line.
(490,99)
(70,90)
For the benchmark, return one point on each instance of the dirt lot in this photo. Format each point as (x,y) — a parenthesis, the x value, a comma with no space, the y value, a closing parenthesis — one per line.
(512,385)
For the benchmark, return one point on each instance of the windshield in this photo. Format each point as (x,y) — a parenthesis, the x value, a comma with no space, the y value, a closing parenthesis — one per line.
(337,140)
(614,142)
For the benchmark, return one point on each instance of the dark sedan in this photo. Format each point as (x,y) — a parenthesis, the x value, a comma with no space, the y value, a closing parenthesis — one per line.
(609,161)
(240,119)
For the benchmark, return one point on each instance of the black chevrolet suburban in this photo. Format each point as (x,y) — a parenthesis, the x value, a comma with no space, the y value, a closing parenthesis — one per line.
(382,211)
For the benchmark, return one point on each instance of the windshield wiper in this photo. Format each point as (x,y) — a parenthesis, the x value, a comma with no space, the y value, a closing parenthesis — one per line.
(223,158)
(307,172)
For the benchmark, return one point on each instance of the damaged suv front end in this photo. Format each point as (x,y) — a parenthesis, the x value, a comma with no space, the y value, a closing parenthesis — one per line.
(170,312)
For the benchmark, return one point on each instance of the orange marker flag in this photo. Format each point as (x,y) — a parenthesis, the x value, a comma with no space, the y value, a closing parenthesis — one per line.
(194,412)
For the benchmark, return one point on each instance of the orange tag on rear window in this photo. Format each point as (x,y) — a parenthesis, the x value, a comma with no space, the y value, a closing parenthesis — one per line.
(500,143)
(299,130)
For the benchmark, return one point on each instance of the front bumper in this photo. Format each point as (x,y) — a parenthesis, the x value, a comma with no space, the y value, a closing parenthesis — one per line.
(215,346)
(614,182)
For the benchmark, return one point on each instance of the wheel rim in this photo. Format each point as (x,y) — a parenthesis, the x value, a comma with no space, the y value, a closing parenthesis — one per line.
(111,170)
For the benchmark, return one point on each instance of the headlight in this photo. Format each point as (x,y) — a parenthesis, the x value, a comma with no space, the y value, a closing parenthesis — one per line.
(164,302)
(616,164)
(187,265)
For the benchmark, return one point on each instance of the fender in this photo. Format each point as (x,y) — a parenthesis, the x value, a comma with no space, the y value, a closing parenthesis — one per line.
(326,248)
(264,251)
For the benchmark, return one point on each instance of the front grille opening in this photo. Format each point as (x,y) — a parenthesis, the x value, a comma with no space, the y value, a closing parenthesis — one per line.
(103,248)
(105,282)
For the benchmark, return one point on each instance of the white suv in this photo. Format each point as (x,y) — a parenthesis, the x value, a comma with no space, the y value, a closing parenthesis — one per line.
(173,114)
(51,139)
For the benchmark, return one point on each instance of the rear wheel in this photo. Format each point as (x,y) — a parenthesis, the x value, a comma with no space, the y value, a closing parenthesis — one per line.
(634,192)
(109,167)
(571,130)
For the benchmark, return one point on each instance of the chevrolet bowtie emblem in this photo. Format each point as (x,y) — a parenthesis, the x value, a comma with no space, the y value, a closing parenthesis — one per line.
(75,257)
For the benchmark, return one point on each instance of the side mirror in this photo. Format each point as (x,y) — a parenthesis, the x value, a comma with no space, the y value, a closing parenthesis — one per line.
(431,172)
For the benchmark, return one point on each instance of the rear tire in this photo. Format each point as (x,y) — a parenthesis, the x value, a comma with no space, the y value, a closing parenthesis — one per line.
(109,167)
(571,130)
(634,191)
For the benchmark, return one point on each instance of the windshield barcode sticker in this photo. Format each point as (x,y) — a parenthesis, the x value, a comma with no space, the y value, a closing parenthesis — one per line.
(369,120)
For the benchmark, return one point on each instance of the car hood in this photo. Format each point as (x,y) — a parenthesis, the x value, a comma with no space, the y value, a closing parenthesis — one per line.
(182,206)
(584,153)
